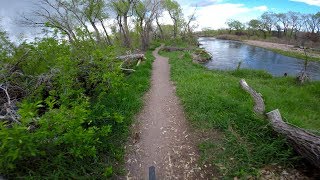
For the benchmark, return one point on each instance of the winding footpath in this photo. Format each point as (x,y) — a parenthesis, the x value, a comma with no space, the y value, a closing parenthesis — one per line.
(161,137)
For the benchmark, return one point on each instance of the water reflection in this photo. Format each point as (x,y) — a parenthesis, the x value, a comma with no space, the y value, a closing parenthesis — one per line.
(227,54)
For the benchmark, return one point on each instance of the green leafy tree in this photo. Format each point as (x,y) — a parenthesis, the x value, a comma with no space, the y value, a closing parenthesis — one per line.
(175,12)
(235,25)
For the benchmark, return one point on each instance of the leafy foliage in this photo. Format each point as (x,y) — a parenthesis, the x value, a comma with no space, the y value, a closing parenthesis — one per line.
(73,109)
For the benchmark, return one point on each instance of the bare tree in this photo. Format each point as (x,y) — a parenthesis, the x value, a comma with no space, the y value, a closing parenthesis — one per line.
(53,14)
(294,22)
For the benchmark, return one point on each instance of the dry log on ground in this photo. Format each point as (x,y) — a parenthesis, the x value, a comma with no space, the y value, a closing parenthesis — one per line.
(131,57)
(305,143)
(259,106)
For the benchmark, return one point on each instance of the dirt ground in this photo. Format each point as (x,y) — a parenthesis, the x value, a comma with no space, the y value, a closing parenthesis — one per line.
(161,135)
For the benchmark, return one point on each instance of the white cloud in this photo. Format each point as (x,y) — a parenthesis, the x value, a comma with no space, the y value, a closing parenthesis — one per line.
(214,16)
(204,3)
(261,8)
(310,2)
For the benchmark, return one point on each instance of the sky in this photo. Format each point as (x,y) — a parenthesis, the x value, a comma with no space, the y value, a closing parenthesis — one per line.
(214,13)
(209,13)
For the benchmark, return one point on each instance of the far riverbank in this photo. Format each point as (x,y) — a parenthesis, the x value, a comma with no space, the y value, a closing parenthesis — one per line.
(284,49)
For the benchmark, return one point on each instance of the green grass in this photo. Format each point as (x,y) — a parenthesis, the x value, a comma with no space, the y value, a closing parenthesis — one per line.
(295,55)
(213,100)
(128,101)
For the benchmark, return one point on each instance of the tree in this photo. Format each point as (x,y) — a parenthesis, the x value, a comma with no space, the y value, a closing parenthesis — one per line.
(295,22)
(158,15)
(254,25)
(6,47)
(312,22)
(284,20)
(235,25)
(175,13)
(122,10)
(93,11)
(55,15)
(191,18)
(145,12)
(267,20)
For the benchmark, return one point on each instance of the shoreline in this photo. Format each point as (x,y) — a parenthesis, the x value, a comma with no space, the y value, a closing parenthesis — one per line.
(284,49)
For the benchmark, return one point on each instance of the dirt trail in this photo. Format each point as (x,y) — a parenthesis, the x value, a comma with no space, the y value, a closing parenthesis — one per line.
(162,138)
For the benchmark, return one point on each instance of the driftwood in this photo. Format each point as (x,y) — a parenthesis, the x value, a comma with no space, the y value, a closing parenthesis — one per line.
(131,57)
(259,106)
(305,143)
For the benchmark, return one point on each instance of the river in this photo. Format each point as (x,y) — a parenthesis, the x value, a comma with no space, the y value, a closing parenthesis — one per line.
(227,55)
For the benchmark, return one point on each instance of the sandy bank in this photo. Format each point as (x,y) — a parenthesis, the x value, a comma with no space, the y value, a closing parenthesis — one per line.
(283,47)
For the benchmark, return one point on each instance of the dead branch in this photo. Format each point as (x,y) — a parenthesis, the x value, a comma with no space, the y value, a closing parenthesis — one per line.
(132,57)
(259,106)
(9,107)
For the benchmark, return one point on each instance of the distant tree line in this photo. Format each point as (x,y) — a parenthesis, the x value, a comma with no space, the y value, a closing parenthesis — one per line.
(281,25)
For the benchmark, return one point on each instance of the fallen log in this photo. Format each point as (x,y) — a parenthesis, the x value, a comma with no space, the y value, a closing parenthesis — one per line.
(170,49)
(305,143)
(259,106)
(131,57)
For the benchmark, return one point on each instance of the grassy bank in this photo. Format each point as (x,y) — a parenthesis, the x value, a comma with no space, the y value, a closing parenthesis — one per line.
(213,100)
(128,101)
(294,54)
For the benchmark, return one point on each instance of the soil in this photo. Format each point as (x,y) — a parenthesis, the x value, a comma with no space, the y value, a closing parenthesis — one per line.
(162,137)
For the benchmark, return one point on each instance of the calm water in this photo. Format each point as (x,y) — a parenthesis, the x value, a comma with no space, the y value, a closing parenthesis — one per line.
(227,54)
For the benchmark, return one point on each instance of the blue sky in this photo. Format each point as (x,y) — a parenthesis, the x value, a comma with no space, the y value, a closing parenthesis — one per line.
(214,13)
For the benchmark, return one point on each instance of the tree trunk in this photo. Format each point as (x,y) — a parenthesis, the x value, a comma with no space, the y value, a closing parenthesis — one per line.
(160,29)
(126,31)
(96,30)
(105,32)
(305,143)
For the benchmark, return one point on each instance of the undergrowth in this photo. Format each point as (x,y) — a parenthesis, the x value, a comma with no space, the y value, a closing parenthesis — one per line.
(75,108)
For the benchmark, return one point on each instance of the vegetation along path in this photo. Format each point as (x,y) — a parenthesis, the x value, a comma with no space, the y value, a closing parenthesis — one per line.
(162,138)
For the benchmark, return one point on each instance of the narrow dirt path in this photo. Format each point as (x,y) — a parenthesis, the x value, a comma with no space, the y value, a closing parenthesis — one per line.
(161,137)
